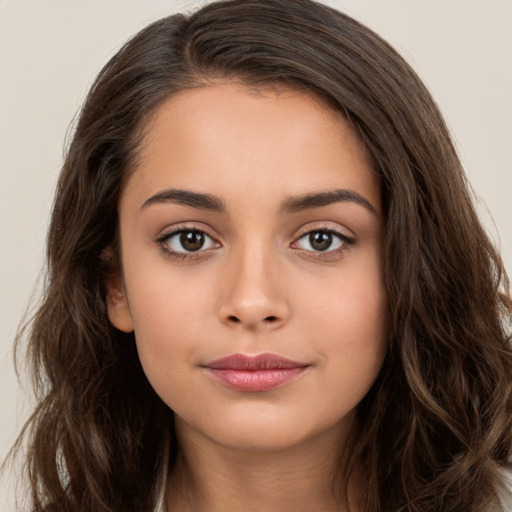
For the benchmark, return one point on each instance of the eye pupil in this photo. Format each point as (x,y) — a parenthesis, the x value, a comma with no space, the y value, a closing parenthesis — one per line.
(192,240)
(320,240)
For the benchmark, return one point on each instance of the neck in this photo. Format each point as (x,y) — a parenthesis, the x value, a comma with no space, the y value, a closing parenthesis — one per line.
(210,477)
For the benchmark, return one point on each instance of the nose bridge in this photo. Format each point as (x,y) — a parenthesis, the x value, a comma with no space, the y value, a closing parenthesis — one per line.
(254,295)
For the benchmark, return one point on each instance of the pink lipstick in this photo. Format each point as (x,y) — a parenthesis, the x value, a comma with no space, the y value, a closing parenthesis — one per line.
(254,373)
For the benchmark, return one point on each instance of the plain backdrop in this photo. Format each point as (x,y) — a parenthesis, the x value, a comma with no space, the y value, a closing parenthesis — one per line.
(51,50)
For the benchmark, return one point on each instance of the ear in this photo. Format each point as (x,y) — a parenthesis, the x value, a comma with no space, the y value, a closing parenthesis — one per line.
(118,308)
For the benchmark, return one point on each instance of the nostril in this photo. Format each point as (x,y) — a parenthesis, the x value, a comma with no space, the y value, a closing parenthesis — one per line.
(233,318)
(270,319)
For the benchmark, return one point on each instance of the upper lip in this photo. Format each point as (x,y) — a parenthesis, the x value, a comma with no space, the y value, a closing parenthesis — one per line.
(253,362)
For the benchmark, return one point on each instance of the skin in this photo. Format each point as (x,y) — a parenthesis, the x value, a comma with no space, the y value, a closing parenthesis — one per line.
(258,285)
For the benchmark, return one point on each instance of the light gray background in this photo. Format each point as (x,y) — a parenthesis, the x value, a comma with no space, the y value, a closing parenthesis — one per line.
(51,50)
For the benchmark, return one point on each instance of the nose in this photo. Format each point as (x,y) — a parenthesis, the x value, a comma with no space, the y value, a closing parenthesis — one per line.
(254,292)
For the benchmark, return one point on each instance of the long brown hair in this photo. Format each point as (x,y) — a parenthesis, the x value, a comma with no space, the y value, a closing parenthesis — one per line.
(435,431)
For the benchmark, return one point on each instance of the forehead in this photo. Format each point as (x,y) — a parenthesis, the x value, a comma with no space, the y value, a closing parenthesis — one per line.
(229,134)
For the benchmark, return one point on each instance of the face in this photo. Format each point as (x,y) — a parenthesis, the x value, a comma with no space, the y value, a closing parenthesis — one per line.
(251,236)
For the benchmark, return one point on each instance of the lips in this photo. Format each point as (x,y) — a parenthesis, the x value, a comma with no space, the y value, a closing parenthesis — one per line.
(262,372)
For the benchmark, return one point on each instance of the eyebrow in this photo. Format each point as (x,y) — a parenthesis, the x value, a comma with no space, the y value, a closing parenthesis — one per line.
(319,199)
(187,198)
(292,205)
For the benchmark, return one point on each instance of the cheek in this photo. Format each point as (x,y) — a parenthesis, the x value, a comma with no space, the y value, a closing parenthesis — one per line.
(165,301)
(350,331)
(169,324)
(351,305)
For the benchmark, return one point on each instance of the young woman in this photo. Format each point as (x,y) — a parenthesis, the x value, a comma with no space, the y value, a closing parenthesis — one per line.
(268,288)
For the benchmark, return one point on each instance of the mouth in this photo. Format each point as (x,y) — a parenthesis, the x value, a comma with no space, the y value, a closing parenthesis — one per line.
(261,372)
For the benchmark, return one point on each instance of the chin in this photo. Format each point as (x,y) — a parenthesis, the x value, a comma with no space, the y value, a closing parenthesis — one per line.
(263,431)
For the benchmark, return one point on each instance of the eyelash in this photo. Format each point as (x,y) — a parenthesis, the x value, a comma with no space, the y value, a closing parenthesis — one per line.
(163,243)
(344,240)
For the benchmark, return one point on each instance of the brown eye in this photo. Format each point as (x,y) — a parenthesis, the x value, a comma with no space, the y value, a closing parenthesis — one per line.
(192,240)
(323,240)
(185,241)
(320,240)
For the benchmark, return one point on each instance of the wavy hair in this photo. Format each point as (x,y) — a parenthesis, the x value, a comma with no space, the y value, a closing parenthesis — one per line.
(435,431)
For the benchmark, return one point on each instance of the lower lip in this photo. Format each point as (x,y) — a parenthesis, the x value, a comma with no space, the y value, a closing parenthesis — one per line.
(255,380)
